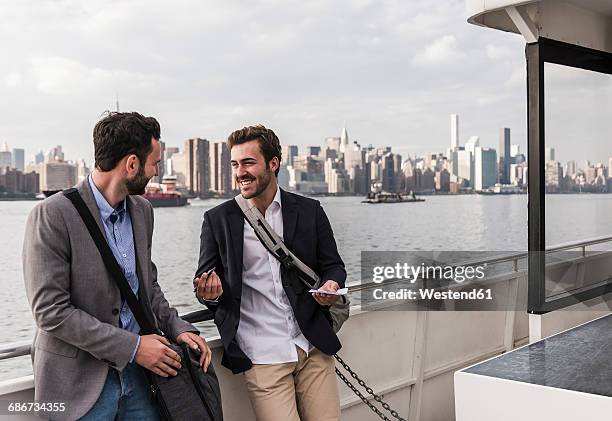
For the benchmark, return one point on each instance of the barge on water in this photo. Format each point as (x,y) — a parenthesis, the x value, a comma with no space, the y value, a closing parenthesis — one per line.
(165,195)
(385,197)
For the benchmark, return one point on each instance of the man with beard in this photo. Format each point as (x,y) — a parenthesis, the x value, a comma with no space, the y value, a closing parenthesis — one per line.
(274,331)
(88,353)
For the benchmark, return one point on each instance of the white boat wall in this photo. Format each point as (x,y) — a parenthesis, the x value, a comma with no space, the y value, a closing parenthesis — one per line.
(410,357)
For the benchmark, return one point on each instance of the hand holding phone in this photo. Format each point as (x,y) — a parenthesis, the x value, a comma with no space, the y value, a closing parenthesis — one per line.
(208,285)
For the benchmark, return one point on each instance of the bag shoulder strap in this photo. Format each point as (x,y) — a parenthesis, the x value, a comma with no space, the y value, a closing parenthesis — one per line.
(274,244)
(110,262)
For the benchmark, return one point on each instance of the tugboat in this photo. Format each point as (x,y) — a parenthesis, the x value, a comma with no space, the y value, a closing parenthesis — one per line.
(386,197)
(165,194)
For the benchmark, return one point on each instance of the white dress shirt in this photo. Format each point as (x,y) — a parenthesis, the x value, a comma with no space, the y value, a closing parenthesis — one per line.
(268,332)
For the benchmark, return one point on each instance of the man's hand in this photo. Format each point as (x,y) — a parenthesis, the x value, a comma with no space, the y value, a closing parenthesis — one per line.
(326,299)
(208,286)
(154,354)
(197,343)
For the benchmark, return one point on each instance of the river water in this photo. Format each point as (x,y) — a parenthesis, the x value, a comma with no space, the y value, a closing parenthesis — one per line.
(445,223)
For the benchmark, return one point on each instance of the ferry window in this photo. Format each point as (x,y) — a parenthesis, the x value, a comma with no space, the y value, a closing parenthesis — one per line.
(570,98)
(577,170)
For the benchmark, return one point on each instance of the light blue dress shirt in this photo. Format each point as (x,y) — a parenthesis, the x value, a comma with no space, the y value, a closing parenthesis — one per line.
(120,238)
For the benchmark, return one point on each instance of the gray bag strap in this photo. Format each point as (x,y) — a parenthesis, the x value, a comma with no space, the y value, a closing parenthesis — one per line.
(274,244)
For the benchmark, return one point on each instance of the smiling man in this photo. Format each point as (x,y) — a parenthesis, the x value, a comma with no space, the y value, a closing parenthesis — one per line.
(274,331)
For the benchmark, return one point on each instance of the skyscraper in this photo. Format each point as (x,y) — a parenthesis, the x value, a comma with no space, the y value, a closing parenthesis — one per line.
(39,158)
(336,177)
(515,150)
(333,143)
(549,154)
(465,167)
(389,165)
(289,153)
(313,150)
(6,160)
(571,168)
(55,154)
(58,175)
(14,181)
(504,155)
(220,169)
(171,150)
(454,131)
(19,159)
(471,145)
(82,170)
(553,175)
(443,180)
(485,168)
(176,165)
(344,140)
(161,167)
(197,166)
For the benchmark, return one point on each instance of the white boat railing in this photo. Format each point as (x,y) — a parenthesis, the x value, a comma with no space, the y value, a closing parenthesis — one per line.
(22,348)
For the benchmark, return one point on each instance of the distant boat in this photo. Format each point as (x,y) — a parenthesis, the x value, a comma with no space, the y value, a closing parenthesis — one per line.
(385,197)
(165,195)
(165,200)
(501,189)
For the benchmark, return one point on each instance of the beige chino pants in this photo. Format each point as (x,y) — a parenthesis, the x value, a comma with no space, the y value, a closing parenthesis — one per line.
(305,390)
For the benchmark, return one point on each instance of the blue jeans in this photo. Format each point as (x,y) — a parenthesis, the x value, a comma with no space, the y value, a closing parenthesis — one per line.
(125,396)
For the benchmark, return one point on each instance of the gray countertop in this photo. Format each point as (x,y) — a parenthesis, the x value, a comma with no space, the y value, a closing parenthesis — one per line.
(579,359)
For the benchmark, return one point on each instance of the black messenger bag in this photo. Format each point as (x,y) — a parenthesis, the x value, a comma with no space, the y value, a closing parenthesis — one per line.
(174,396)
(191,394)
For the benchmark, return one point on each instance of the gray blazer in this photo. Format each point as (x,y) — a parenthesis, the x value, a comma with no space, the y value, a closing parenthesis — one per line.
(76,304)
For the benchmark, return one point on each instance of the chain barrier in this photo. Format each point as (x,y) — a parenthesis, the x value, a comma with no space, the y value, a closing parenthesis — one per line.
(368,389)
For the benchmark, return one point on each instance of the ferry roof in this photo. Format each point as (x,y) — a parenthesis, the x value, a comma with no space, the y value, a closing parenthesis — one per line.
(581,22)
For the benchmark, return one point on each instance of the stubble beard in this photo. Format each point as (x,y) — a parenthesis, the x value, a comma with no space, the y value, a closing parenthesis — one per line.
(262,184)
(137,185)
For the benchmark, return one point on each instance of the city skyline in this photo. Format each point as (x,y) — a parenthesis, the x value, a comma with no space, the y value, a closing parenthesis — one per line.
(339,166)
(455,137)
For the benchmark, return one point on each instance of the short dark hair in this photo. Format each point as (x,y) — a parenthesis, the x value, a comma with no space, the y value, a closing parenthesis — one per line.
(120,134)
(268,142)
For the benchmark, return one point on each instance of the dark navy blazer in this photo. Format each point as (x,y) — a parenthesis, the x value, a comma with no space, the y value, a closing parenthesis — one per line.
(307,233)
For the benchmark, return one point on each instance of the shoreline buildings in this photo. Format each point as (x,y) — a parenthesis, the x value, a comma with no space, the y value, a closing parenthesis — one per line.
(13,177)
(344,167)
(339,166)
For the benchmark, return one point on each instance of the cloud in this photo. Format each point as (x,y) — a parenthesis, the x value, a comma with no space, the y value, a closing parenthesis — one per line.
(491,99)
(423,24)
(276,40)
(498,52)
(205,68)
(60,76)
(442,51)
(13,79)
(518,78)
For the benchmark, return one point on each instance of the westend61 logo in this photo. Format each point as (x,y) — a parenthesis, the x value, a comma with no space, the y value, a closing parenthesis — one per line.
(454,280)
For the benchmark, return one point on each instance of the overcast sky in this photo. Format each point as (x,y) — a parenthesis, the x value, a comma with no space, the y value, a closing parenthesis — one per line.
(392,70)
(577,106)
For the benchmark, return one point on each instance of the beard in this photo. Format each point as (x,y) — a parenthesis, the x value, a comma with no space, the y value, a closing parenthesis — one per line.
(262,182)
(136,186)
